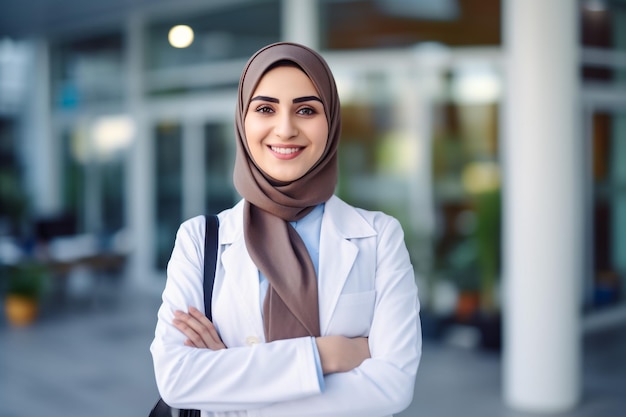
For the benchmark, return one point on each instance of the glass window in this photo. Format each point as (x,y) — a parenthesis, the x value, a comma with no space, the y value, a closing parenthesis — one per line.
(466,188)
(14,203)
(219,161)
(395,23)
(603,34)
(93,156)
(426,142)
(168,188)
(602,24)
(608,211)
(74,159)
(87,71)
(112,137)
(382,157)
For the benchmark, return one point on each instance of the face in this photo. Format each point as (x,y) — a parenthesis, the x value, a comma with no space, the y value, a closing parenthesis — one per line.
(285,124)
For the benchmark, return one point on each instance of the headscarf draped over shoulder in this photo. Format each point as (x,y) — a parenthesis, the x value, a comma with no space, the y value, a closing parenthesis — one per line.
(291,305)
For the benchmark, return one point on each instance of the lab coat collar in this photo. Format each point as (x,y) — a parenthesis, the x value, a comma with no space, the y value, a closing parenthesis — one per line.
(343,218)
(340,224)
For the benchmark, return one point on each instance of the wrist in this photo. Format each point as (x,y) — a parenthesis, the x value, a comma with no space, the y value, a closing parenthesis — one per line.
(327,359)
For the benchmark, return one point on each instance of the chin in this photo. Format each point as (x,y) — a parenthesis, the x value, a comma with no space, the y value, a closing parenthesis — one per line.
(282,177)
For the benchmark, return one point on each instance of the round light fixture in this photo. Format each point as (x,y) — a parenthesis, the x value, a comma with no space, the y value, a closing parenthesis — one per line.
(180,36)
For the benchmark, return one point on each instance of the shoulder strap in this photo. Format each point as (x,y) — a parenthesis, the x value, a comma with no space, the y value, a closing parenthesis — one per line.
(210,260)
(161,409)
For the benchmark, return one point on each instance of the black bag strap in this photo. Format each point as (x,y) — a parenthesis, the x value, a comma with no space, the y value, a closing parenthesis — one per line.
(161,409)
(210,260)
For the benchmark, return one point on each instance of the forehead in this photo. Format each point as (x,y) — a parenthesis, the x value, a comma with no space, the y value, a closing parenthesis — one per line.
(285,79)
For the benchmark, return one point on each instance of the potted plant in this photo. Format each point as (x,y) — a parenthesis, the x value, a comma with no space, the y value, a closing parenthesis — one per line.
(488,240)
(482,181)
(25,286)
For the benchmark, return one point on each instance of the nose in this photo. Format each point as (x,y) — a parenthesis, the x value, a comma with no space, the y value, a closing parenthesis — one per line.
(285,127)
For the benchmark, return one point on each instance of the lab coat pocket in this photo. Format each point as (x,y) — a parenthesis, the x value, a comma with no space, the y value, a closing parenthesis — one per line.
(353,314)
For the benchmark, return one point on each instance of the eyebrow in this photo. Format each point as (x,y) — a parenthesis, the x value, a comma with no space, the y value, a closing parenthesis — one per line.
(306,98)
(295,100)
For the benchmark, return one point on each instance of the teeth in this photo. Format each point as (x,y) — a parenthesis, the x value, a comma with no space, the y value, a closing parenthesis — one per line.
(284,151)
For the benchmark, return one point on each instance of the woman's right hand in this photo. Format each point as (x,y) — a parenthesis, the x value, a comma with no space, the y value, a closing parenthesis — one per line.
(342,354)
(200,332)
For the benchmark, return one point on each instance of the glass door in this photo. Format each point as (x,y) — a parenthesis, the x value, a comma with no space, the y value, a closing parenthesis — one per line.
(420,142)
(192,171)
(168,187)
(606,226)
(94,151)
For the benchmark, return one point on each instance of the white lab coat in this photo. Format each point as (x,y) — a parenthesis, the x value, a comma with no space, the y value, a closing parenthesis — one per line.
(366,287)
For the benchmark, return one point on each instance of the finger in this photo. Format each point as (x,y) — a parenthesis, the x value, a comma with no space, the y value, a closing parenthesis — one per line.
(194,339)
(186,324)
(203,326)
(214,335)
(203,333)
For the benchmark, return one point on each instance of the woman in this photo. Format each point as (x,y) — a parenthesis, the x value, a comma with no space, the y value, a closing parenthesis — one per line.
(315,306)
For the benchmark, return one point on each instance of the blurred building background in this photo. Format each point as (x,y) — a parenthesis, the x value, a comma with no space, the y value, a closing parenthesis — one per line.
(114,130)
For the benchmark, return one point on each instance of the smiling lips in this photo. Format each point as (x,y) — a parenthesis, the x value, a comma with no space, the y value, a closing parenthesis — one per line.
(286,152)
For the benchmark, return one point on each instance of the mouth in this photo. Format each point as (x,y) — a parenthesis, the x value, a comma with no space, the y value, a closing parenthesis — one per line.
(286,152)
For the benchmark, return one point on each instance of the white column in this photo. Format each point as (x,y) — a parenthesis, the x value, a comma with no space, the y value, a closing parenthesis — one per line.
(543,200)
(300,22)
(43,155)
(140,188)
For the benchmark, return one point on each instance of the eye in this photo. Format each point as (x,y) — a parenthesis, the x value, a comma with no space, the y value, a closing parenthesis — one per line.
(307,111)
(264,108)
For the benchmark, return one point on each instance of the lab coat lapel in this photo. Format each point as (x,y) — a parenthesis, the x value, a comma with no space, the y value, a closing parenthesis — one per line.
(240,273)
(340,223)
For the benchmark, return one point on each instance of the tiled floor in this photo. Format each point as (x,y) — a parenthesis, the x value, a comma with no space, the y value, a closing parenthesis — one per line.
(95,362)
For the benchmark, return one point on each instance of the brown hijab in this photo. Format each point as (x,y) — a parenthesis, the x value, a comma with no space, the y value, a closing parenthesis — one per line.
(291,306)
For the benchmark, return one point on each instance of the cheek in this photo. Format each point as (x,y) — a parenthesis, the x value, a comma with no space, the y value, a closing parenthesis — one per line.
(322,136)
(247,127)
(251,129)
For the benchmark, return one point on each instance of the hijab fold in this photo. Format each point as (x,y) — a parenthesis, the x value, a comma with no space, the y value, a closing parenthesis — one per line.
(291,307)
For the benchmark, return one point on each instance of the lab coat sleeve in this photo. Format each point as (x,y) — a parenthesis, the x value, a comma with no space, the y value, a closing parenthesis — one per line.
(231,379)
(384,384)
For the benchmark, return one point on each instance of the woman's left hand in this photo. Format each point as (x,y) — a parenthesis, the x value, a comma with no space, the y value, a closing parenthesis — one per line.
(200,332)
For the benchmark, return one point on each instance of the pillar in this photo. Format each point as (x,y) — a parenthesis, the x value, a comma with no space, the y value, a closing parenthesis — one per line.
(542,206)
(300,22)
(139,186)
(42,156)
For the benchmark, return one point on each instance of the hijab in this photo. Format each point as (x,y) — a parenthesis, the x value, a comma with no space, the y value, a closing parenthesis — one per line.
(290,308)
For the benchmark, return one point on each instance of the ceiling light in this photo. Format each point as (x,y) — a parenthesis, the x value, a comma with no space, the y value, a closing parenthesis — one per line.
(180,36)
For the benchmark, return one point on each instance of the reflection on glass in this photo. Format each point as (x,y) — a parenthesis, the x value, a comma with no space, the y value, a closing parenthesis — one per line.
(219,161)
(380,153)
(88,71)
(168,186)
(608,210)
(466,181)
(367,24)
(93,173)
(73,165)
(112,136)
(112,186)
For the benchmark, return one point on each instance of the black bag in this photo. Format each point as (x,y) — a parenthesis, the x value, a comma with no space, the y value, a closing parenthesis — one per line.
(210,260)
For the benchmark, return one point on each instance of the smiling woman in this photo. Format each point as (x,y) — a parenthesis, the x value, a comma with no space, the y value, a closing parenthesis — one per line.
(306,286)
(286,128)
